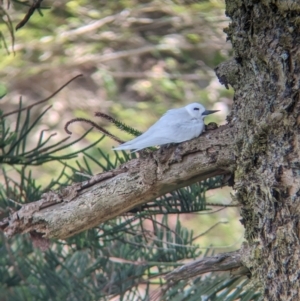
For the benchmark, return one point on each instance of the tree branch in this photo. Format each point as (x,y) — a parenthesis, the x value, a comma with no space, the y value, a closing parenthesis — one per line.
(231,261)
(84,205)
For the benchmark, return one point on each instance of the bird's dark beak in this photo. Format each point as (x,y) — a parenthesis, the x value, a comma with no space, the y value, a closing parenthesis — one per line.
(208,112)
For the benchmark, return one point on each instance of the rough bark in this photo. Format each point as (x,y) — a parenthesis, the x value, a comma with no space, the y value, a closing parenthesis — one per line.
(265,75)
(222,262)
(85,205)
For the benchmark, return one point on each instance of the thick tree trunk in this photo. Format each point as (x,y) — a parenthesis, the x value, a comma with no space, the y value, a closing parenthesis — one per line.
(265,75)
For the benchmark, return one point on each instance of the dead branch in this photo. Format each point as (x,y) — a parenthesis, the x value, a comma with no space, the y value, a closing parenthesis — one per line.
(231,261)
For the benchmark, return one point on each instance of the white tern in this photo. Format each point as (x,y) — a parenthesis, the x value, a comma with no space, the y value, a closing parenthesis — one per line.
(175,126)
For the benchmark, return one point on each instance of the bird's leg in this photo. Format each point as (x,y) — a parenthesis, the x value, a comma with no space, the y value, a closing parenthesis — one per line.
(167,146)
(144,153)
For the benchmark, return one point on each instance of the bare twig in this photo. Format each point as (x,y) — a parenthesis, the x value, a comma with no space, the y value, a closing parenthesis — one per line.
(98,127)
(209,229)
(222,205)
(16,203)
(221,262)
(43,100)
(36,5)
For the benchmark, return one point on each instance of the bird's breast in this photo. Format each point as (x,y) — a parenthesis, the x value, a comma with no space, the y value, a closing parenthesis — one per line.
(197,128)
(189,130)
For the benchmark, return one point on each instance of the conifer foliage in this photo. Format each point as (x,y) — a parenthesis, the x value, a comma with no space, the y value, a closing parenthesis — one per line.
(125,258)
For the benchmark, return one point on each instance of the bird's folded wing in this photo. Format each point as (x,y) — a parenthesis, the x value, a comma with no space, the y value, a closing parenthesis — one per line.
(164,131)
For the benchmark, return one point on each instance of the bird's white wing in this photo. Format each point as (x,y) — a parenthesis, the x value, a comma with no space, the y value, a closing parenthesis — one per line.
(173,127)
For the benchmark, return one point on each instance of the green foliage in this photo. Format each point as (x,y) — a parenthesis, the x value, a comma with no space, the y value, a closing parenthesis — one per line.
(184,200)
(120,125)
(6,26)
(17,160)
(213,288)
(145,57)
(112,260)
(125,257)
(13,143)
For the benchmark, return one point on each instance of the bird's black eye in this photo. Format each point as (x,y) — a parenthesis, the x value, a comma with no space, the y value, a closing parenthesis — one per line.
(196,109)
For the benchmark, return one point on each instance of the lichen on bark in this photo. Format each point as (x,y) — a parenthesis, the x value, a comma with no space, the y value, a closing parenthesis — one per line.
(265,113)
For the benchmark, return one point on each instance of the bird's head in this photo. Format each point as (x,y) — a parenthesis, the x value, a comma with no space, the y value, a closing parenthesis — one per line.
(196,110)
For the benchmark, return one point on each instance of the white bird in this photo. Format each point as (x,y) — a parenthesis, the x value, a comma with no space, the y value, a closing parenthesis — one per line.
(175,126)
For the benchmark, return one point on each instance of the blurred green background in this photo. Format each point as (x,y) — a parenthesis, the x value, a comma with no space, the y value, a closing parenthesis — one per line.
(138,58)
